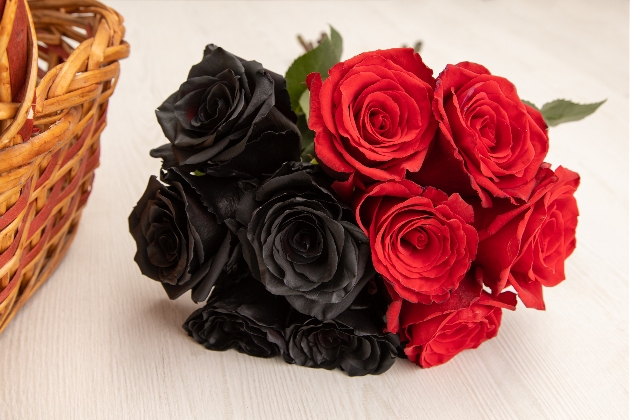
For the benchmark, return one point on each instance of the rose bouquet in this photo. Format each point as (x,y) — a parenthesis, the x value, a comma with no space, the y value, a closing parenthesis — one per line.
(354,212)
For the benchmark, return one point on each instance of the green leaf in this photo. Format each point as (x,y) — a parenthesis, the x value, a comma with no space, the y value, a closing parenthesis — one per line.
(308,137)
(561,111)
(308,155)
(320,59)
(305,103)
(530,104)
(198,173)
(337,43)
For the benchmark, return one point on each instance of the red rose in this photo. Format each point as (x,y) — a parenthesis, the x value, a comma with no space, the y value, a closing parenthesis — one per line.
(489,142)
(433,334)
(372,117)
(526,246)
(420,238)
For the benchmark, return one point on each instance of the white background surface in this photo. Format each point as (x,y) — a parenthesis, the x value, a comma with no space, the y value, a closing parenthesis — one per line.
(99,341)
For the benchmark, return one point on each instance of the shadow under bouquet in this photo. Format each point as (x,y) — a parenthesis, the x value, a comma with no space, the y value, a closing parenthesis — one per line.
(355,211)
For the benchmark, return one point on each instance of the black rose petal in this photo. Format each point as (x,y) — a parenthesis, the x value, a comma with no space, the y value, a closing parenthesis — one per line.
(353,341)
(241,316)
(283,101)
(230,116)
(182,236)
(300,242)
(220,195)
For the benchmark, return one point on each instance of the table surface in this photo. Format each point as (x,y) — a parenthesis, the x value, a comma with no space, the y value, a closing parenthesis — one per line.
(99,341)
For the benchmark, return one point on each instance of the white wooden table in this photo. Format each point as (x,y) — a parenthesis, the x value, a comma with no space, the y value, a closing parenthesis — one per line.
(99,341)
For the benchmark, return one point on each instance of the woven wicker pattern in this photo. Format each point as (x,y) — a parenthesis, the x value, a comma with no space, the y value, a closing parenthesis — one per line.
(45,181)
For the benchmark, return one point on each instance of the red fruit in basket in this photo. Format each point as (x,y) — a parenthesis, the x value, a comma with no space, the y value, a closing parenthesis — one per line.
(17,51)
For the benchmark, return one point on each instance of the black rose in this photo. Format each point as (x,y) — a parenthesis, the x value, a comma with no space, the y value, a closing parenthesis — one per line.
(353,341)
(242,316)
(183,237)
(302,243)
(231,115)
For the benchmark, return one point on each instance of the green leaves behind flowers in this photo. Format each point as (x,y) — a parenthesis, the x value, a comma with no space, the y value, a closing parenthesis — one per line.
(320,59)
(562,111)
(305,102)
(308,139)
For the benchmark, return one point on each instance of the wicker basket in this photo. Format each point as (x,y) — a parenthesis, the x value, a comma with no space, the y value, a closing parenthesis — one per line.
(74,48)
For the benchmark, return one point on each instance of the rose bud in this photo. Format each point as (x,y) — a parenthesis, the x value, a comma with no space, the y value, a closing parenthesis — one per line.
(231,115)
(421,239)
(302,244)
(241,316)
(526,246)
(372,117)
(182,239)
(434,334)
(353,341)
(489,142)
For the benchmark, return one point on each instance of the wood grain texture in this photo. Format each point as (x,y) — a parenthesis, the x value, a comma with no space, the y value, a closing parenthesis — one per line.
(99,341)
